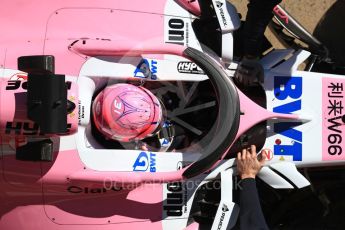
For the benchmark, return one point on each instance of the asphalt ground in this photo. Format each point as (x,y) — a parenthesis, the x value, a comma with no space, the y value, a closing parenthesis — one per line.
(323,18)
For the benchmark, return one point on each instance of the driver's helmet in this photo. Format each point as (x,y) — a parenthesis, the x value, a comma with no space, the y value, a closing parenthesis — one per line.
(125,112)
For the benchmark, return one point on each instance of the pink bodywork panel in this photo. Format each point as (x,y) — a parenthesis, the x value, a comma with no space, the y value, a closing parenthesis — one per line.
(68,205)
(333,128)
(114,204)
(39,27)
(248,108)
(190,5)
(73,195)
(126,48)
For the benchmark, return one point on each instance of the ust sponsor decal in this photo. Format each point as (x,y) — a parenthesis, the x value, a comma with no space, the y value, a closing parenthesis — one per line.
(189,67)
(288,90)
(176,32)
(175,203)
(146,69)
(144,162)
(333,121)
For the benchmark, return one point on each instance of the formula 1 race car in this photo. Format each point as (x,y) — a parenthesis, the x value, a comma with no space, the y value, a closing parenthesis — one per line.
(141,125)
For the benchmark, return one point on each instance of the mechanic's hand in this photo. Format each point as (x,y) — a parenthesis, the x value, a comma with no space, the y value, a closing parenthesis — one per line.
(249,71)
(248,164)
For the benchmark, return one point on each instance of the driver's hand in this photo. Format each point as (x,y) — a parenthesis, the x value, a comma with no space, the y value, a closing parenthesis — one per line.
(249,72)
(248,165)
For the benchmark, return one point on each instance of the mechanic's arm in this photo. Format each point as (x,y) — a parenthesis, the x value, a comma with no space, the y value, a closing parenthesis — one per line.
(251,216)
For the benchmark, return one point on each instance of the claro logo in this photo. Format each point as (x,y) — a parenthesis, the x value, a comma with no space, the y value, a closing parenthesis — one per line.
(86,190)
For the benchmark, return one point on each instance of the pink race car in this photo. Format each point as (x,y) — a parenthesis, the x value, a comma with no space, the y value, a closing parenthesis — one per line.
(144,117)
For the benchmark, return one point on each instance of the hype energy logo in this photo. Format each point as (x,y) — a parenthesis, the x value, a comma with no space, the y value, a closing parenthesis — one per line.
(289,91)
(146,69)
(189,67)
(145,162)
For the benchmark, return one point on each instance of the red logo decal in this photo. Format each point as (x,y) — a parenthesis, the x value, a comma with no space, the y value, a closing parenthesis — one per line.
(281,14)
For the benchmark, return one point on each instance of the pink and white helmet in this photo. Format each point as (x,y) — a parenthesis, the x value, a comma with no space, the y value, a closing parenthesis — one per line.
(125,112)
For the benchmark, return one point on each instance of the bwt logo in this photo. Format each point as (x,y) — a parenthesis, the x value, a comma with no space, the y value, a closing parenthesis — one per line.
(287,88)
(145,69)
(189,67)
(144,162)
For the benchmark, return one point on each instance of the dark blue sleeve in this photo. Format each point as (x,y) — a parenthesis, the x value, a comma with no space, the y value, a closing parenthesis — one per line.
(251,216)
(258,16)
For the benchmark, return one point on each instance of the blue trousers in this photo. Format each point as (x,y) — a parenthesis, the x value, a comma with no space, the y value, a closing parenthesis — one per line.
(258,16)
